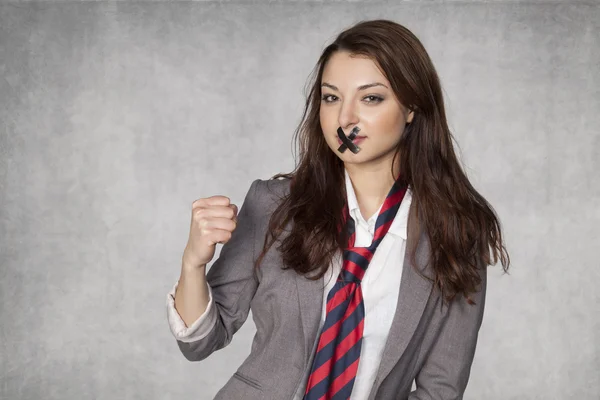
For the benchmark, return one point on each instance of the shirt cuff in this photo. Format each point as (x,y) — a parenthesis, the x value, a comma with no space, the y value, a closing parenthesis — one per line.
(200,328)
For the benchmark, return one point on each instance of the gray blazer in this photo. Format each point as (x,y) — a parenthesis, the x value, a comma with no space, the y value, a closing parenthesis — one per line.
(431,344)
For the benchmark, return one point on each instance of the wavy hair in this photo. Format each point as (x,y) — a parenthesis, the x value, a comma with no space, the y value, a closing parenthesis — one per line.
(461,225)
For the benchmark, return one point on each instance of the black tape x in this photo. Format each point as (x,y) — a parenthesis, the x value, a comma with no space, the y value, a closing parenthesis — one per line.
(347,140)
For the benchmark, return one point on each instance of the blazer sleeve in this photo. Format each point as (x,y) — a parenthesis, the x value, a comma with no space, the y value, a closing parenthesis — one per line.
(232,281)
(446,370)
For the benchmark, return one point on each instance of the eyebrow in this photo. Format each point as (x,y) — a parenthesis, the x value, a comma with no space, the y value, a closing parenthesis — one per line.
(363,87)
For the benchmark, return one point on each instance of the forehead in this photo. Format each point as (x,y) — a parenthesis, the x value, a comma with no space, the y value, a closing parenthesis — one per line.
(343,68)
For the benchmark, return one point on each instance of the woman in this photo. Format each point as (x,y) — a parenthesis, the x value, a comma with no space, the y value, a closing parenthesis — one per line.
(380,203)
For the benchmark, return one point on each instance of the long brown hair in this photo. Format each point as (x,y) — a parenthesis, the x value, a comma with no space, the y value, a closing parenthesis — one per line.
(460,223)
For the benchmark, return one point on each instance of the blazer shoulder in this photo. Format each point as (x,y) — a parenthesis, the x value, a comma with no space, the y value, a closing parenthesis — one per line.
(269,192)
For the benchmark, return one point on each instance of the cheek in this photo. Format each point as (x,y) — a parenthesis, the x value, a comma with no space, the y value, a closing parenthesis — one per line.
(323,118)
(387,134)
(326,113)
(329,123)
(390,123)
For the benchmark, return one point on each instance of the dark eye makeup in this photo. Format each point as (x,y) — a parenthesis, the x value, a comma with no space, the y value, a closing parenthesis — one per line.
(375,99)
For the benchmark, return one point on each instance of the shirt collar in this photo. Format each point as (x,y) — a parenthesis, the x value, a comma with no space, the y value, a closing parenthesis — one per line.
(399,225)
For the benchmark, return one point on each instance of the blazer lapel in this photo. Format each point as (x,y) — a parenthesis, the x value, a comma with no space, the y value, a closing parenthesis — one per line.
(413,296)
(310,298)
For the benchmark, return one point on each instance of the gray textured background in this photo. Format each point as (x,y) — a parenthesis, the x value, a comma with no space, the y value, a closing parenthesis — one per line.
(114,117)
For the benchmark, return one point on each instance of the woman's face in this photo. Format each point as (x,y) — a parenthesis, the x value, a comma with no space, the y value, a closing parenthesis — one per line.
(375,109)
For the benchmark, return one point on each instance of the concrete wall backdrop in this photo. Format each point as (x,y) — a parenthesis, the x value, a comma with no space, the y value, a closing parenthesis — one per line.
(114,117)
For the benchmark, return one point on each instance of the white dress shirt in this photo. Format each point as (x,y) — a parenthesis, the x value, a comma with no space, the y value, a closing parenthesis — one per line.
(380,287)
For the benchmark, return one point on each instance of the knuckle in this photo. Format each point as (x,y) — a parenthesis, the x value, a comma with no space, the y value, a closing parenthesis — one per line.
(199,213)
(197,203)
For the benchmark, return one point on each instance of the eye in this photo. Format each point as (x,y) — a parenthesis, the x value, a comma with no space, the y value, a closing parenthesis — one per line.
(374,99)
(377,99)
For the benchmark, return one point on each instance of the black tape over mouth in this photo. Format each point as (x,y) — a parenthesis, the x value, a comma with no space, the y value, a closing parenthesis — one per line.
(347,140)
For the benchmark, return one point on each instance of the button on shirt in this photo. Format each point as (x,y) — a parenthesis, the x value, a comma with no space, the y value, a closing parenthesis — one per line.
(380,287)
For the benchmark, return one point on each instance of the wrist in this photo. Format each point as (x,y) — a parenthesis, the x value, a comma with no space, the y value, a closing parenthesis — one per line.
(188,266)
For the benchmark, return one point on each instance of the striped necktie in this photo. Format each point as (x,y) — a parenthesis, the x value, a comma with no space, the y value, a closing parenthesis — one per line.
(338,352)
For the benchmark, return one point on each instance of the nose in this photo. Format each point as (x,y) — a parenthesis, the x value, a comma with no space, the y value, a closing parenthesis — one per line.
(348,117)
